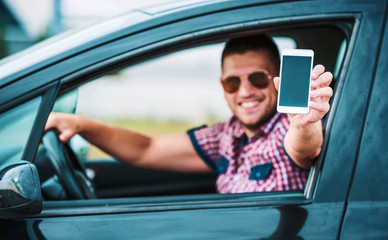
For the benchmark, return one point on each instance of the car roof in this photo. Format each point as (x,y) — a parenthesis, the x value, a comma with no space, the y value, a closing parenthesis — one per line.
(72,42)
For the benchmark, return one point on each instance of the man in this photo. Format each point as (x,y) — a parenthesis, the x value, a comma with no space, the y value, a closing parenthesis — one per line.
(256,150)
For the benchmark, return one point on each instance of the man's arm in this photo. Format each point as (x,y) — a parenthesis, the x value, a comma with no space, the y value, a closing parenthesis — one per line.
(170,152)
(303,140)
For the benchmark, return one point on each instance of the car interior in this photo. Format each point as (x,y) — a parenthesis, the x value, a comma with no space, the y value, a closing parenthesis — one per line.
(66,172)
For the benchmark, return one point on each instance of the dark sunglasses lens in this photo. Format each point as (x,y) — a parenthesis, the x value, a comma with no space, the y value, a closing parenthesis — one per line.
(231,84)
(259,79)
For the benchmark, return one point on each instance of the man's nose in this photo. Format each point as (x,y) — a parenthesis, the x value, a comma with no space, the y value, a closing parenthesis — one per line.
(246,88)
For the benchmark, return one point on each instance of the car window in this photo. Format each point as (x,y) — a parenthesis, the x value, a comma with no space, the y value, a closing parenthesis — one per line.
(15,128)
(171,94)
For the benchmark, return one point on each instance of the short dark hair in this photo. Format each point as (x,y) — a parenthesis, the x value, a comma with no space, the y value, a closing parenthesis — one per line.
(240,45)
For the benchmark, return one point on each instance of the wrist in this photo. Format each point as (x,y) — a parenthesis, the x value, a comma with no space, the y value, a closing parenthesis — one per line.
(300,123)
(81,124)
(86,127)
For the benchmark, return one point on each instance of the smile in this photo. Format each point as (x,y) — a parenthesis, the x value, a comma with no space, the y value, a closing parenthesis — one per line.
(250,104)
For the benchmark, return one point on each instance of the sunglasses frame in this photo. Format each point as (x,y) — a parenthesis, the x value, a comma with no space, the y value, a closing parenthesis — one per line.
(234,89)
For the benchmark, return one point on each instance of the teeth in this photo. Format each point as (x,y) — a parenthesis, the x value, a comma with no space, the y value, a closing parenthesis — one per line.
(248,104)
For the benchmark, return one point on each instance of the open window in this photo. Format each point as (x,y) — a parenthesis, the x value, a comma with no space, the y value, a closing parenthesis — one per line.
(170,91)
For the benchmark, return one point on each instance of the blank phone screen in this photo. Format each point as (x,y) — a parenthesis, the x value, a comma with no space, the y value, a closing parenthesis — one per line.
(295,79)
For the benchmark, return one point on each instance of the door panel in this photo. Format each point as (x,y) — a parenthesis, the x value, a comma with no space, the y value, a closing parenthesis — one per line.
(115,179)
(367,211)
(289,222)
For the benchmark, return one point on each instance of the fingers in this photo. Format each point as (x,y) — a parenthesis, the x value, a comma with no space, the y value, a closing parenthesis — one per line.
(66,135)
(322,107)
(319,100)
(320,95)
(64,124)
(320,91)
(323,80)
(317,71)
(324,92)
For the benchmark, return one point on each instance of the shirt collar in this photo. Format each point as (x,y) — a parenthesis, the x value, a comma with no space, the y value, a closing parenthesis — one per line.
(237,129)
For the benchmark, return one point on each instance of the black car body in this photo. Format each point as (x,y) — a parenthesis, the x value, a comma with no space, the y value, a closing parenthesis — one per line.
(346,196)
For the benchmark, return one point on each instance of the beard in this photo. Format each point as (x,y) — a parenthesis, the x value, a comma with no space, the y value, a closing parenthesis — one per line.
(256,126)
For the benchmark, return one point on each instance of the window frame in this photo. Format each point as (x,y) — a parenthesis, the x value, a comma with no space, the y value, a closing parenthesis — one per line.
(202,37)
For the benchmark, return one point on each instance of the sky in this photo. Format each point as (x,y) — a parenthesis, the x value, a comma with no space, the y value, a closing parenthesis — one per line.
(36,14)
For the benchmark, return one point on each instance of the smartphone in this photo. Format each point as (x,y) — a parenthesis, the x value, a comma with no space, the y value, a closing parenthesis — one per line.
(295,73)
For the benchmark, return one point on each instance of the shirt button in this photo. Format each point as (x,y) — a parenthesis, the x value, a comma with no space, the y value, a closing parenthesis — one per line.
(237,178)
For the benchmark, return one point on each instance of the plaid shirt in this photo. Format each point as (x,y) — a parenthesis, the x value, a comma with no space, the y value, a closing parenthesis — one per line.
(249,165)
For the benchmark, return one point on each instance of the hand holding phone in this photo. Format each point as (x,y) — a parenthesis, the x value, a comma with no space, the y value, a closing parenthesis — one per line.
(295,73)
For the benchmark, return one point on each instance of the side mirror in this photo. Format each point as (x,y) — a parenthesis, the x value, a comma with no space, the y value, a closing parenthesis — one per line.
(20,192)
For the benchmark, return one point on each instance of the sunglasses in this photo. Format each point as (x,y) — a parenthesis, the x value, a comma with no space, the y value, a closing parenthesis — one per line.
(259,80)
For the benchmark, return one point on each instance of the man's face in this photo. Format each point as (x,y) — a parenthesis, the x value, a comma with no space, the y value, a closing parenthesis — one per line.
(251,105)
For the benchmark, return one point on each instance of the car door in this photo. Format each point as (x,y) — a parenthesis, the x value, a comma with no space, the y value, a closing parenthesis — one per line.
(315,213)
(368,199)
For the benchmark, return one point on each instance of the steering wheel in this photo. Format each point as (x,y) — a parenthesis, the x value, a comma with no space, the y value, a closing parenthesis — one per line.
(68,168)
